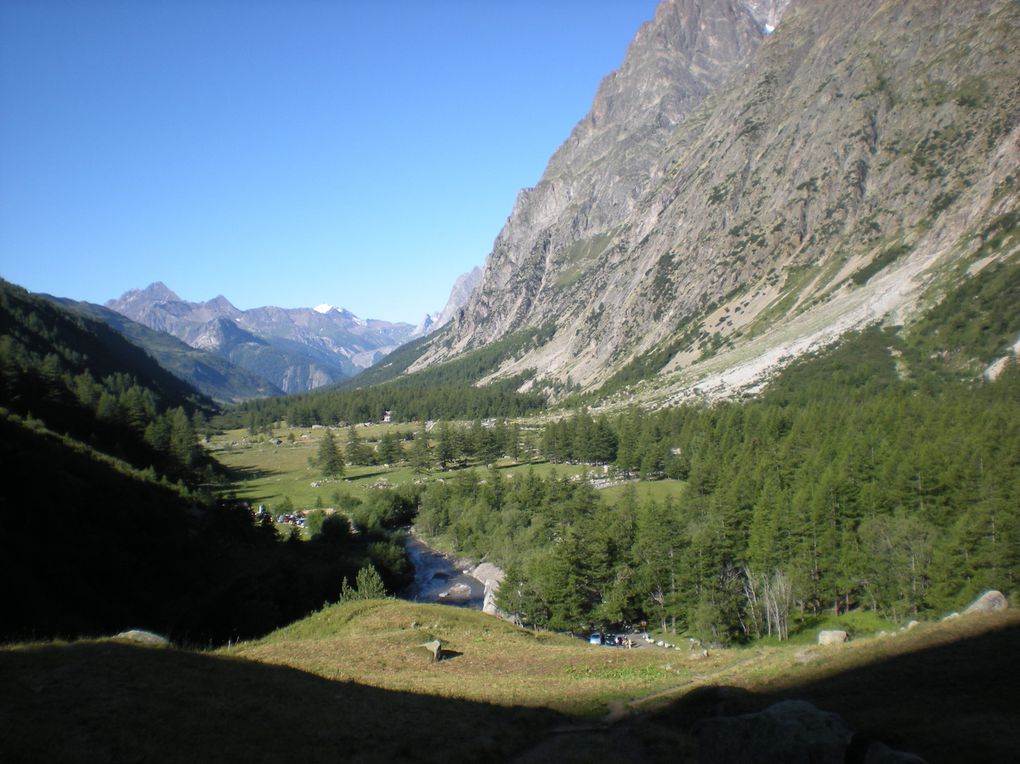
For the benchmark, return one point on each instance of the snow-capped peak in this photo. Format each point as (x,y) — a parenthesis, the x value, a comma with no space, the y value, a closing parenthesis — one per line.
(324,308)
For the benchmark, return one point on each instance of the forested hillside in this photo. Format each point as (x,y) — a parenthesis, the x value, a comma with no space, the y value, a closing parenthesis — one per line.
(868,477)
(446,391)
(211,374)
(108,512)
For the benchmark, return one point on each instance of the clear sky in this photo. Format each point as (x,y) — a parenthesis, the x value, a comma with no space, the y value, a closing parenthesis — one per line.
(283,152)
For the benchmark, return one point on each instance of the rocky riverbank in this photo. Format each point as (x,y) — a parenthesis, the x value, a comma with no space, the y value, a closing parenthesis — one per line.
(448,580)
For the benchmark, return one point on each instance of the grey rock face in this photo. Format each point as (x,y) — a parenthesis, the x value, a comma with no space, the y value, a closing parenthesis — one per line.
(733,200)
(596,178)
(988,602)
(459,295)
(767,12)
(792,731)
(295,349)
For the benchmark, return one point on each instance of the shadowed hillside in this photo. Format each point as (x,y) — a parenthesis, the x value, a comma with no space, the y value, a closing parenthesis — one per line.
(944,691)
(116,702)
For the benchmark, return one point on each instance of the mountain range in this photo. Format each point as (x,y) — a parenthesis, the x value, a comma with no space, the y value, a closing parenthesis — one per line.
(268,350)
(211,374)
(739,196)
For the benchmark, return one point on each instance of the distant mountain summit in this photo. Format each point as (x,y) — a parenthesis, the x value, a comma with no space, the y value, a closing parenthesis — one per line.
(459,295)
(295,349)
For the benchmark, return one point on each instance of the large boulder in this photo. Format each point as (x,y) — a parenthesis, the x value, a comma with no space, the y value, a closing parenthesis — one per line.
(832,637)
(140,637)
(988,602)
(491,576)
(792,731)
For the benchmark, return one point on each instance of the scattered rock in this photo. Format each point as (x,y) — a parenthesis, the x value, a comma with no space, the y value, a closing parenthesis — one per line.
(988,602)
(911,625)
(789,731)
(832,637)
(140,637)
(456,593)
(951,616)
(436,648)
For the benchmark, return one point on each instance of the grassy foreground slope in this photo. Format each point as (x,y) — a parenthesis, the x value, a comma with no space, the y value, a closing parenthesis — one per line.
(491,661)
(351,683)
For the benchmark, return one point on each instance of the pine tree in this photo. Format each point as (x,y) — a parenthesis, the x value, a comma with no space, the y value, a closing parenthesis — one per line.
(328,459)
(421,456)
(390,451)
(446,447)
(357,451)
(182,438)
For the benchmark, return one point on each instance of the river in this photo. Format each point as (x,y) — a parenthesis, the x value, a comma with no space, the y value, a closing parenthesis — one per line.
(438,579)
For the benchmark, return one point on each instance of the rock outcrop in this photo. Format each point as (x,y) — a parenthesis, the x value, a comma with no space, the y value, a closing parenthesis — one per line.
(491,577)
(142,637)
(988,602)
(459,296)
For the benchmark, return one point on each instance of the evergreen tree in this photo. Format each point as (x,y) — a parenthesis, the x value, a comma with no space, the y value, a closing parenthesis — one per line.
(357,452)
(368,585)
(182,438)
(446,446)
(390,451)
(328,459)
(421,455)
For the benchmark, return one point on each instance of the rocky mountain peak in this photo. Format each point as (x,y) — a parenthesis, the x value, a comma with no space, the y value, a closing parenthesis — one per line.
(156,293)
(222,306)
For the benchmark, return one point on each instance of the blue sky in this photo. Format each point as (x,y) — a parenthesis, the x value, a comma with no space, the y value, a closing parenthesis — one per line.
(362,154)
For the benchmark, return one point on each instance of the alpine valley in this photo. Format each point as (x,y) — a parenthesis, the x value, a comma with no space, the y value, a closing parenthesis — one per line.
(735,398)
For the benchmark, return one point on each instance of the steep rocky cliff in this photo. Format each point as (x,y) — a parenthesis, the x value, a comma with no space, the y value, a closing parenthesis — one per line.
(735,198)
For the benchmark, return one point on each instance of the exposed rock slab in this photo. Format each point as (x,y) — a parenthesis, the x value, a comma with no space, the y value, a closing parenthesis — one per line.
(988,602)
(142,637)
(832,637)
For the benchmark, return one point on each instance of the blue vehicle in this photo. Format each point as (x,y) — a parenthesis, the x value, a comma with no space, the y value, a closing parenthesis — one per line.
(595,639)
